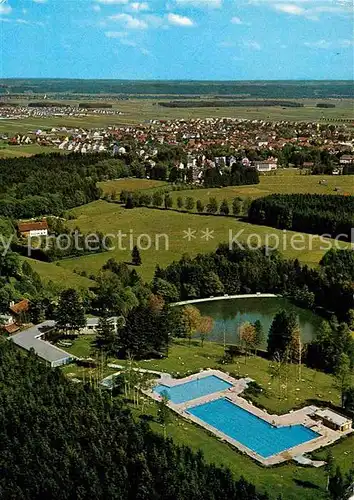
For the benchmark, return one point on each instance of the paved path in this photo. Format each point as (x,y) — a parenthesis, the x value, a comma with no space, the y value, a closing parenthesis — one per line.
(227,297)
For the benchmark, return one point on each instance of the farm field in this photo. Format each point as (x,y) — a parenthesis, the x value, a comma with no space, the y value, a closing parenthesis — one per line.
(135,111)
(291,481)
(110,218)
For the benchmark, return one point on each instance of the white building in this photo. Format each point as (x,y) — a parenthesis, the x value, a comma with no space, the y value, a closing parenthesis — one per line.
(266,165)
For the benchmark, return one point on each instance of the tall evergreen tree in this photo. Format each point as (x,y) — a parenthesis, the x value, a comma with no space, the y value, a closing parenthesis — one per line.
(136,259)
(70,314)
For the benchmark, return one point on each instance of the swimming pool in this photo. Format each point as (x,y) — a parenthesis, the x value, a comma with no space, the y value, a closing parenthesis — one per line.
(196,388)
(249,430)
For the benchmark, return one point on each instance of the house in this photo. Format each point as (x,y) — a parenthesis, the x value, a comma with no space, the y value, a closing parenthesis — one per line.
(30,229)
(266,165)
(333,420)
(346,159)
(7,324)
(19,311)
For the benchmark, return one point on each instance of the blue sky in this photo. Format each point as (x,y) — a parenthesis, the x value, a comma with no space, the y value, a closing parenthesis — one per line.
(177,39)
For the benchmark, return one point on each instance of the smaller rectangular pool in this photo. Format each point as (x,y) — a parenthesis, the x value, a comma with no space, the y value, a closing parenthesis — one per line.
(194,389)
(249,430)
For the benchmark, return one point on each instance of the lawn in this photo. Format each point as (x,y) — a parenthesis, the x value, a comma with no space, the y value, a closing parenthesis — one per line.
(60,276)
(111,218)
(130,184)
(290,480)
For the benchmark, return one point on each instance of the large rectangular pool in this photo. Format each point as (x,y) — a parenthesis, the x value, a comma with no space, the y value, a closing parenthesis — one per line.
(248,429)
(196,388)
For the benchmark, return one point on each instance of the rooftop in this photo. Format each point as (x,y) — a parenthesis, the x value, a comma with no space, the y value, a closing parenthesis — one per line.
(331,416)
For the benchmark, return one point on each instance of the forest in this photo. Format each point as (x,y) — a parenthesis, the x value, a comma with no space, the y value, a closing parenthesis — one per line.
(264,89)
(227,104)
(52,183)
(307,213)
(60,440)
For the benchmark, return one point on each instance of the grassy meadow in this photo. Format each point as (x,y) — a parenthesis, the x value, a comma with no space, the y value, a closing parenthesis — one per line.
(24,150)
(110,218)
(292,481)
(60,276)
(130,184)
(282,181)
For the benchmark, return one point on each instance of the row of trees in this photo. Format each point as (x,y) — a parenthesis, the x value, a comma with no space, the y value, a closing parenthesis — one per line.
(164,200)
(309,213)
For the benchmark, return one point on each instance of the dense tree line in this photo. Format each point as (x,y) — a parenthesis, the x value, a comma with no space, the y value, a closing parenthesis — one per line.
(237,271)
(228,104)
(60,440)
(309,213)
(237,176)
(53,183)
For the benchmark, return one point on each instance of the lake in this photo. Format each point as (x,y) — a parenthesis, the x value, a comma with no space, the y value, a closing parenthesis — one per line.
(230,314)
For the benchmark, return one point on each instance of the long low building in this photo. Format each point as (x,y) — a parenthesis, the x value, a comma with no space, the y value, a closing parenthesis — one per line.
(32,339)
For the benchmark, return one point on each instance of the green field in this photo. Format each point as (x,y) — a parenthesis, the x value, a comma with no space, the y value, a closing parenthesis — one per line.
(111,218)
(137,111)
(60,276)
(283,181)
(7,151)
(292,481)
(130,184)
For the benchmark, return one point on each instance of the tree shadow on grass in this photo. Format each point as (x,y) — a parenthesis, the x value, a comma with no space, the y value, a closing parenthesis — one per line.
(306,484)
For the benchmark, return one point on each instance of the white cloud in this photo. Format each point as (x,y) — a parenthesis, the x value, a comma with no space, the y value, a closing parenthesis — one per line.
(289,8)
(236,20)
(128,43)
(113,2)
(345,43)
(320,44)
(226,44)
(310,9)
(139,6)
(326,44)
(200,4)
(5,9)
(22,21)
(115,34)
(129,21)
(96,8)
(252,44)
(178,20)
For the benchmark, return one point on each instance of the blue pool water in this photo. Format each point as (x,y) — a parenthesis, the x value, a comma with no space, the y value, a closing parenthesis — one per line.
(249,430)
(194,389)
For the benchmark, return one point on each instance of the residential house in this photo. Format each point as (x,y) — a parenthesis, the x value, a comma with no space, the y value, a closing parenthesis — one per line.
(19,311)
(346,159)
(31,229)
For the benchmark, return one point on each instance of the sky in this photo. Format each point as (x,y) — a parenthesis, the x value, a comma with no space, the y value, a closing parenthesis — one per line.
(177,39)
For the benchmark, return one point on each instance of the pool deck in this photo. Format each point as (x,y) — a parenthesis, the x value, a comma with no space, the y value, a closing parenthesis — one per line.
(303,416)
